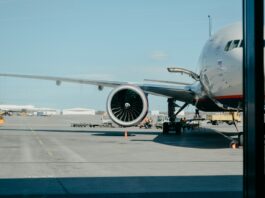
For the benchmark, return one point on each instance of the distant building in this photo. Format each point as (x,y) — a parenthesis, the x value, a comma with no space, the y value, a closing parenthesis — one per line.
(155,112)
(78,111)
(45,112)
(16,108)
(181,114)
(28,110)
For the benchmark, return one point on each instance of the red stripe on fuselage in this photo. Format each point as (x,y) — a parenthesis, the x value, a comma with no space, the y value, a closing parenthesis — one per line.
(223,97)
(229,97)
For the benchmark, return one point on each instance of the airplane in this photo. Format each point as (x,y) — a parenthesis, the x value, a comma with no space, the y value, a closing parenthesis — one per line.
(217,87)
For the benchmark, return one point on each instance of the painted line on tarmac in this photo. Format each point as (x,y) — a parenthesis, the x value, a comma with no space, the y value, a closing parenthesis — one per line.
(41,142)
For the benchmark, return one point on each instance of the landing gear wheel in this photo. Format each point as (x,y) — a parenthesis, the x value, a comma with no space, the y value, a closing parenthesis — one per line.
(165,128)
(234,144)
(178,128)
(241,139)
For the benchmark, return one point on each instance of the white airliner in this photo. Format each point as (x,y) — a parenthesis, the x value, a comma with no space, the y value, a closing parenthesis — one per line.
(218,86)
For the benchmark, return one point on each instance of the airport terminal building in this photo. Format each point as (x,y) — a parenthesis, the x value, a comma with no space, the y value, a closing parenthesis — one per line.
(78,111)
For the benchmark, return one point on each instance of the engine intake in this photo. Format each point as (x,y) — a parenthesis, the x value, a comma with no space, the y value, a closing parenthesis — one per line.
(127,105)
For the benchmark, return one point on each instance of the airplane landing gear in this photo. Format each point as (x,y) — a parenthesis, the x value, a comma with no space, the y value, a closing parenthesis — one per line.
(165,128)
(172,125)
(241,139)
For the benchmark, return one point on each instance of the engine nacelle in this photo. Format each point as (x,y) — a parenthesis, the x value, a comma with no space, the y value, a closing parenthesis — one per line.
(127,105)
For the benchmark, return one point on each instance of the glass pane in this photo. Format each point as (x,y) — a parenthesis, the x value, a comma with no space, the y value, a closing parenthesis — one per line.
(60,135)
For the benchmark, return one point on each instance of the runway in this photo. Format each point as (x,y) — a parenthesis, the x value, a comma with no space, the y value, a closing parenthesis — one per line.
(46,156)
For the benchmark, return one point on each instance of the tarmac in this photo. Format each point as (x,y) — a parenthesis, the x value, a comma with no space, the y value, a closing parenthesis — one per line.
(46,157)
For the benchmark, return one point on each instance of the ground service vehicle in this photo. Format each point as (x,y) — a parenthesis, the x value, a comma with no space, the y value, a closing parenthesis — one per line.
(228,117)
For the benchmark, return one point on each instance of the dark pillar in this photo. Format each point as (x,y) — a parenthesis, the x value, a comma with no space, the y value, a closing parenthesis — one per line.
(253,73)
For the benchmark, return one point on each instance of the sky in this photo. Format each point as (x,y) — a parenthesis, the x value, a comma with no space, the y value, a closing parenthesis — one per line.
(121,40)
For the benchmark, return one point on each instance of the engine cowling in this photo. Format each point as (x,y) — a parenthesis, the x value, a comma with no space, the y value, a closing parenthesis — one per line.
(127,105)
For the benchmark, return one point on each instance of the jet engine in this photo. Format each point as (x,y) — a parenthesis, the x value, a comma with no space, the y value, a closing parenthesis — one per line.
(127,105)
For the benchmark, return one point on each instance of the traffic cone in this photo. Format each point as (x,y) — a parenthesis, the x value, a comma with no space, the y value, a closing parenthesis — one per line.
(2,121)
(234,145)
(126,134)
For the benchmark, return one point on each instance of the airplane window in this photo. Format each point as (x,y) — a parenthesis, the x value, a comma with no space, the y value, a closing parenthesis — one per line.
(228,45)
(242,43)
(234,44)
(239,44)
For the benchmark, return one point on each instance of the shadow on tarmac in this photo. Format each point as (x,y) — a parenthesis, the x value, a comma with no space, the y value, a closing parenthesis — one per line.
(200,138)
(203,138)
(207,139)
(131,187)
(93,132)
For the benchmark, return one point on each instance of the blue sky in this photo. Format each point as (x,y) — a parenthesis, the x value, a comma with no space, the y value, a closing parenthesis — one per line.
(126,40)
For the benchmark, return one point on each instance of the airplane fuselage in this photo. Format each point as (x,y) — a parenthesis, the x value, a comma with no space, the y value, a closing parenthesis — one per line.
(221,67)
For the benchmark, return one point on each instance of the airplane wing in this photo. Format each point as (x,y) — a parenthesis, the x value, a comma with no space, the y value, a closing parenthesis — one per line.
(59,80)
(127,104)
(181,93)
